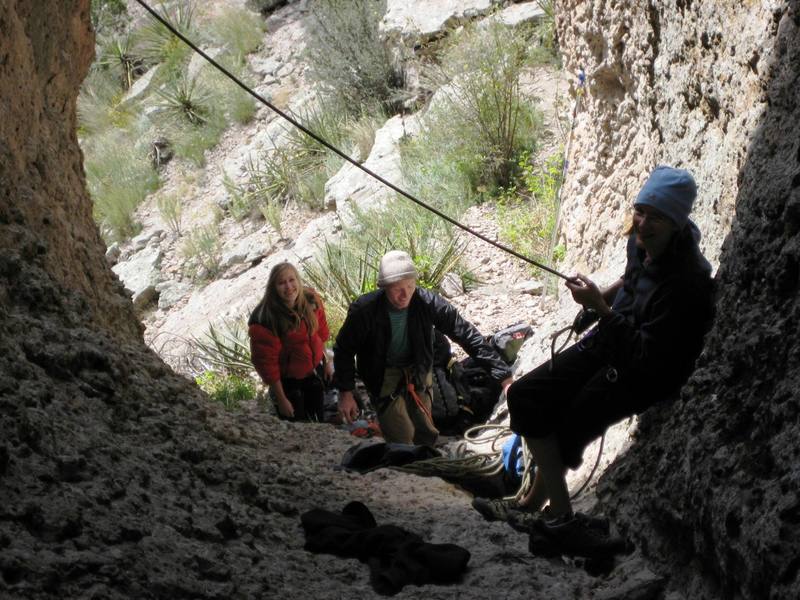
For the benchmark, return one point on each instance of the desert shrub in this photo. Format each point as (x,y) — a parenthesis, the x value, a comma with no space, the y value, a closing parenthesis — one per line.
(119,176)
(171,209)
(546,51)
(117,54)
(108,15)
(202,253)
(528,214)
(239,31)
(224,348)
(480,122)
(99,106)
(297,169)
(158,45)
(343,270)
(228,390)
(237,104)
(348,58)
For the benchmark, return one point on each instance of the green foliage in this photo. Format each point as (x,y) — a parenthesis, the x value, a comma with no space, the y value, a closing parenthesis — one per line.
(108,15)
(183,99)
(228,390)
(546,52)
(528,214)
(99,106)
(298,168)
(158,45)
(344,270)
(348,58)
(239,31)
(478,123)
(169,205)
(238,105)
(119,177)
(224,348)
(118,55)
(202,252)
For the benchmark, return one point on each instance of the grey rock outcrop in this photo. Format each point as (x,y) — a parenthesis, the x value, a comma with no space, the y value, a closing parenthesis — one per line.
(140,274)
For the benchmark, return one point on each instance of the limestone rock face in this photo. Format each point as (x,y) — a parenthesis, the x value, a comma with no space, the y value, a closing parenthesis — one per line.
(710,489)
(674,83)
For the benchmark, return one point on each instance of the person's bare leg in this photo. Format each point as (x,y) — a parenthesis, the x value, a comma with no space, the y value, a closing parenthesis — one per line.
(550,469)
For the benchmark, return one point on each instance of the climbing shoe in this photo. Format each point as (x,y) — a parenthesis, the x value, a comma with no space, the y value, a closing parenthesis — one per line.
(497,509)
(525,521)
(573,536)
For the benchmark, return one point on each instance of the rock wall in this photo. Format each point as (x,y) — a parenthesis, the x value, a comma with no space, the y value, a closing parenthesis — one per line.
(45,214)
(668,82)
(710,491)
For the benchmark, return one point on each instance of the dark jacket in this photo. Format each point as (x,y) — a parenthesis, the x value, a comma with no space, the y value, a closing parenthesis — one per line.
(364,339)
(660,316)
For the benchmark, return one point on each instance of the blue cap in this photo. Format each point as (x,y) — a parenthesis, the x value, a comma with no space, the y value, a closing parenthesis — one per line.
(671,191)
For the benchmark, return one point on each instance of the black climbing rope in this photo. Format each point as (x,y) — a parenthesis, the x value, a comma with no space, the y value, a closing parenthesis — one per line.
(338,152)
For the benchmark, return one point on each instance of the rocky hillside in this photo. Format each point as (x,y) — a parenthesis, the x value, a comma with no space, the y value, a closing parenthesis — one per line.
(119,479)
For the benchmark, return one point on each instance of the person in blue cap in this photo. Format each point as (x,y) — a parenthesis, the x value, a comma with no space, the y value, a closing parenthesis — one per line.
(641,351)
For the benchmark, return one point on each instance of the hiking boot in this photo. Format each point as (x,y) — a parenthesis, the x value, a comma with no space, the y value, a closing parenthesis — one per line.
(601,524)
(575,536)
(496,509)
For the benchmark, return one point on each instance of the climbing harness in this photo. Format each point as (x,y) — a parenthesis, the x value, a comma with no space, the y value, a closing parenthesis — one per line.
(340,153)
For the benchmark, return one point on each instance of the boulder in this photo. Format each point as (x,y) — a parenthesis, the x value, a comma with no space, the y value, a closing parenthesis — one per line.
(352,188)
(423,20)
(170,292)
(140,274)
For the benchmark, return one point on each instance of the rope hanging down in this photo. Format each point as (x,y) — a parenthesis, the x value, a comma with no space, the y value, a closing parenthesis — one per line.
(341,154)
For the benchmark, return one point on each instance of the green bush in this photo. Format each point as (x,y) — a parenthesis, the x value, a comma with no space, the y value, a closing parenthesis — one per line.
(228,390)
(239,31)
(158,45)
(99,106)
(117,54)
(119,176)
(108,15)
(202,253)
(237,104)
(297,169)
(528,214)
(224,348)
(348,58)
(169,205)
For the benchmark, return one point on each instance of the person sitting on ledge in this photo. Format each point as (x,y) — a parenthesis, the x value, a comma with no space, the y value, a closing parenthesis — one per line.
(642,350)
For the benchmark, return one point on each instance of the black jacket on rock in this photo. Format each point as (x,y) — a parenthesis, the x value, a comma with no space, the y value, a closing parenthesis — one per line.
(364,338)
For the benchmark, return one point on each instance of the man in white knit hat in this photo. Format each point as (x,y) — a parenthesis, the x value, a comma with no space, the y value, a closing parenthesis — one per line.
(387,338)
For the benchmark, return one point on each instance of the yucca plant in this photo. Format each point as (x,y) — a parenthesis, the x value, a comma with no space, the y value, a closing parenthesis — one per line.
(183,98)
(224,348)
(158,45)
(118,55)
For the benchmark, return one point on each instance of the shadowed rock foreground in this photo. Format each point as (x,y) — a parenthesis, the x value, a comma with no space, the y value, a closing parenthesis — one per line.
(119,480)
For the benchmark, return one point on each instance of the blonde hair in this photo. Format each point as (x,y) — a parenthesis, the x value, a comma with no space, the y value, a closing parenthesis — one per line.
(273,313)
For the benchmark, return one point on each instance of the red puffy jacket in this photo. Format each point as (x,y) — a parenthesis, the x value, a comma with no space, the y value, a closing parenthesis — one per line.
(295,355)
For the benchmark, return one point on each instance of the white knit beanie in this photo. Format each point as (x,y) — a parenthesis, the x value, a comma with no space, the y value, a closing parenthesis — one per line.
(395,266)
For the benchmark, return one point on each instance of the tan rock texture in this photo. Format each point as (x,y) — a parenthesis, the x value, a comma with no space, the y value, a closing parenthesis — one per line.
(45,51)
(670,82)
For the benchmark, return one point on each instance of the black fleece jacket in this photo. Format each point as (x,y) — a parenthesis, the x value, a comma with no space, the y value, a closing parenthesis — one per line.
(364,338)
(661,314)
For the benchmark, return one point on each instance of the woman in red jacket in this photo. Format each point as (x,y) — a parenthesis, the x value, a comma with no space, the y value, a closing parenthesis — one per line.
(288,331)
